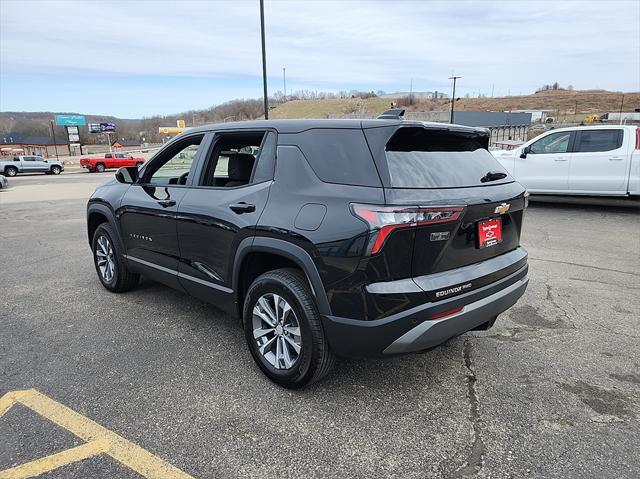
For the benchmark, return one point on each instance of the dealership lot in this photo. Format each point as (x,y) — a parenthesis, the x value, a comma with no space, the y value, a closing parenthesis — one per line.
(553,390)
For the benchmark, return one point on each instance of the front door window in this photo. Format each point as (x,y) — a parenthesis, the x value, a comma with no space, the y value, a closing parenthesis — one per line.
(553,143)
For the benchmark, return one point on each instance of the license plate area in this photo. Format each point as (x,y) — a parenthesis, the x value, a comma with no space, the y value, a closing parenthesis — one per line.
(489,233)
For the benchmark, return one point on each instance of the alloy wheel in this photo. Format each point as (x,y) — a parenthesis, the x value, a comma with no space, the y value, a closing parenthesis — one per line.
(276,331)
(105,258)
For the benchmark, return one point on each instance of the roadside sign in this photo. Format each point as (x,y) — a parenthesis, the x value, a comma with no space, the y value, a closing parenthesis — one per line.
(74,137)
(170,130)
(107,127)
(72,130)
(94,128)
(70,120)
(181,124)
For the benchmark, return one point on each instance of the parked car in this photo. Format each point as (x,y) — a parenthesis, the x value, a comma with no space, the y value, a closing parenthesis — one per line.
(30,164)
(110,160)
(581,160)
(4,183)
(365,238)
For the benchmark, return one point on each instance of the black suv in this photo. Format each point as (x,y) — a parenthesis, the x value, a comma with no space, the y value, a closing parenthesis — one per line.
(356,238)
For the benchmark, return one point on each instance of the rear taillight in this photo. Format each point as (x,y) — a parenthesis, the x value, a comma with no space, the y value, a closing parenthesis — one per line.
(637,138)
(384,220)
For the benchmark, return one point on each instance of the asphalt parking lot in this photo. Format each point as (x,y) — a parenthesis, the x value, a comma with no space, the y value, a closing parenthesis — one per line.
(553,390)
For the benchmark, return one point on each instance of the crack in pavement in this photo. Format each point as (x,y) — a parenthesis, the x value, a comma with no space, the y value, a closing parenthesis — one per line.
(555,303)
(475,460)
(603,282)
(583,266)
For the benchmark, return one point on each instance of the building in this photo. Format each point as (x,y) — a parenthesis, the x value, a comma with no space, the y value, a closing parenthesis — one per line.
(536,115)
(12,144)
(126,144)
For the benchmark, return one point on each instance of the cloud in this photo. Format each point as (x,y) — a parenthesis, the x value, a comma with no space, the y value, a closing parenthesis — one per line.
(329,44)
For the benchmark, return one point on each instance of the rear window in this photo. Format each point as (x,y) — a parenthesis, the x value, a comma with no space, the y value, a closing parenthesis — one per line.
(599,140)
(339,156)
(422,158)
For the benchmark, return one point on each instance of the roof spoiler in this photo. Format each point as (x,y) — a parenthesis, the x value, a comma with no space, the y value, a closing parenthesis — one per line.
(395,114)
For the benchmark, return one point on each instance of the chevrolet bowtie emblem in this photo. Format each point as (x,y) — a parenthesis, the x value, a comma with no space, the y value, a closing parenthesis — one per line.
(502,209)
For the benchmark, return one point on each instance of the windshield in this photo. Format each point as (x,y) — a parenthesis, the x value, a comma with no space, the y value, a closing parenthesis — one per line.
(422,158)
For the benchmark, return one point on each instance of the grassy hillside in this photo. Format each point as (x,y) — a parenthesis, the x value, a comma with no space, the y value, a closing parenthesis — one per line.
(560,101)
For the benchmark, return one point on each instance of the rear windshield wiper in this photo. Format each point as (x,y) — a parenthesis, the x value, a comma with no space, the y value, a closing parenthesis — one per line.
(493,176)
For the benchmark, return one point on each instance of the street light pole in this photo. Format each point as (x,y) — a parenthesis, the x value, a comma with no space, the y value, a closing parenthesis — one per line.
(264,63)
(284,81)
(453,97)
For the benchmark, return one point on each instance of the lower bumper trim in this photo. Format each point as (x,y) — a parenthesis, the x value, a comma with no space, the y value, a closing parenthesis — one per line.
(429,334)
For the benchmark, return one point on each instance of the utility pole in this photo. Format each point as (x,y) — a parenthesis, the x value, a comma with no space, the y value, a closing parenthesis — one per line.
(621,103)
(264,63)
(53,133)
(453,96)
(492,88)
(284,82)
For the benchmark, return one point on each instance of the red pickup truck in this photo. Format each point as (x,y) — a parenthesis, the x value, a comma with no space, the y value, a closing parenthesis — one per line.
(110,160)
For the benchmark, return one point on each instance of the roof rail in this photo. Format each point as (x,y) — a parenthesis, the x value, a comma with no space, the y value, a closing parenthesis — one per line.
(395,114)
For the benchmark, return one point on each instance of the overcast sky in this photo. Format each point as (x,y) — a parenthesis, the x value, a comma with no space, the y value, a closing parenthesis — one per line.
(152,57)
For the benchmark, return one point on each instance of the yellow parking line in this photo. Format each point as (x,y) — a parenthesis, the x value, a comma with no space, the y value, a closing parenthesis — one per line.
(54,461)
(119,448)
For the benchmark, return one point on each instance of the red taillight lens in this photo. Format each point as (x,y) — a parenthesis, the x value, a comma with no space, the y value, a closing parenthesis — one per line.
(386,219)
(444,314)
(637,138)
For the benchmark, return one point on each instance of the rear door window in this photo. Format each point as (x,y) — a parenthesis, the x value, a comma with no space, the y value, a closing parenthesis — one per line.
(423,158)
(598,140)
(339,156)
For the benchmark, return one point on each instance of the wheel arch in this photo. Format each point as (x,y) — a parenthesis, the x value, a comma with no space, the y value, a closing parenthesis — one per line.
(98,214)
(272,249)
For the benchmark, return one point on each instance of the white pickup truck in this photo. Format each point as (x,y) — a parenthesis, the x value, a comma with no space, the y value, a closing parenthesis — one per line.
(30,164)
(581,160)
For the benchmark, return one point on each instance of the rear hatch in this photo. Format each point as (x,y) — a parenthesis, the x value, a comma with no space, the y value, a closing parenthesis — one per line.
(435,168)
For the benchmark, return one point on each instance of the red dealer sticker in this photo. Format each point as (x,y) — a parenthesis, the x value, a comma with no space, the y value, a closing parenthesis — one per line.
(489,232)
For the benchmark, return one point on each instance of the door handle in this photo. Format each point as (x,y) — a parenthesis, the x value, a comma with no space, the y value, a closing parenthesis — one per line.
(560,159)
(167,203)
(616,158)
(242,207)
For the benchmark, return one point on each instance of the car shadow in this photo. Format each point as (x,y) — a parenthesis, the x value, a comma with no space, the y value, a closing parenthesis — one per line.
(349,376)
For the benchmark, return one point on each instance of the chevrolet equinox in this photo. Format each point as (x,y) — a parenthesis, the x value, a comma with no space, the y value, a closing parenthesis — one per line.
(357,238)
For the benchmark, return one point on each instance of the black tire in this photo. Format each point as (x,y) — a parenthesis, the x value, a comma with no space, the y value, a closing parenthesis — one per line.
(11,171)
(123,280)
(56,170)
(92,170)
(100,168)
(315,359)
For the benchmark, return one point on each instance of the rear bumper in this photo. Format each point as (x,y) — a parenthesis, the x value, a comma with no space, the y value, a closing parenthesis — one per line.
(410,331)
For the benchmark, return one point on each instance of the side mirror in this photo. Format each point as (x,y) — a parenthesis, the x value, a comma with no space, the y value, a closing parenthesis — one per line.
(127,174)
(525,152)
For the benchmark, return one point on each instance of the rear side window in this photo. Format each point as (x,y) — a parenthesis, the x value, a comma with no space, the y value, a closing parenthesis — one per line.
(422,158)
(339,156)
(599,140)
